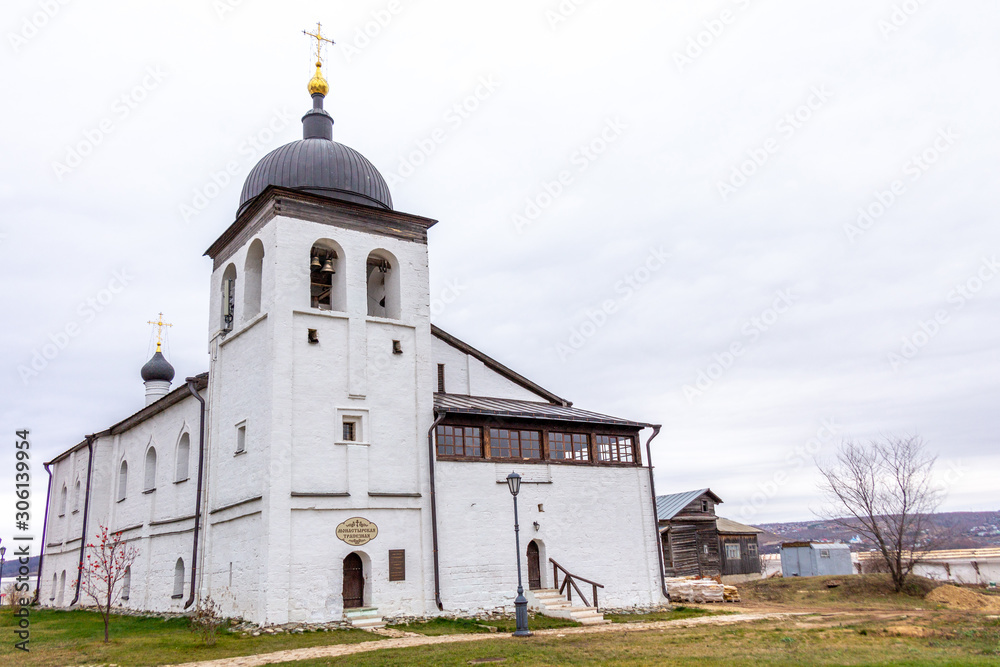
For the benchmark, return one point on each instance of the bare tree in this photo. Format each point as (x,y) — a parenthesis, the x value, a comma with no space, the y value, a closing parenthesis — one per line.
(109,562)
(885,491)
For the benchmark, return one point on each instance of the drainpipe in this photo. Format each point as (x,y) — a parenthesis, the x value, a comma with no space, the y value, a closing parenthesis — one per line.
(45,526)
(191,385)
(656,521)
(86,514)
(434,524)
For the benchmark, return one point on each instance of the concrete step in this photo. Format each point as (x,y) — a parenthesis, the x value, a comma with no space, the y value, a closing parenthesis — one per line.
(364,618)
(593,621)
(550,602)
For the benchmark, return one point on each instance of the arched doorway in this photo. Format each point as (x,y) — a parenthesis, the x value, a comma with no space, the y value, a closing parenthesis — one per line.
(354,582)
(534,567)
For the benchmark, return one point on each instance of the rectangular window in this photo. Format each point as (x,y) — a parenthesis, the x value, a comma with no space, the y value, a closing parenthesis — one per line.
(515,444)
(441,378)
(615,448)
(752,549)
(824,553)
(459,441)
(569,446)
(241,438)
(350,431)
(397,565)
(732,551)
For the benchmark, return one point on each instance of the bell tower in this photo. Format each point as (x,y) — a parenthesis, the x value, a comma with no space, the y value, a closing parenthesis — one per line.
(320,346)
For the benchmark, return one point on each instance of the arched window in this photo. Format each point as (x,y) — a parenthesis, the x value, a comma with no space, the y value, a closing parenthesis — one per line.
(127,583)
(62,589)
(62,500)
(327,282)
(149,484)
(228,314)
(183,454)
(252,271)
(76,496)
(122,480)
(382,274)
(55,587)
(179,578)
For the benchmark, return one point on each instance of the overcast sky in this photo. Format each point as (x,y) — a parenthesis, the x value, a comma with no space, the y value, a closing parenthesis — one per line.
(767,225)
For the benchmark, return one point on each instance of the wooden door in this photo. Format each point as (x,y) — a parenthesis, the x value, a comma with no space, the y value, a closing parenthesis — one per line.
(354,582)
(534,567)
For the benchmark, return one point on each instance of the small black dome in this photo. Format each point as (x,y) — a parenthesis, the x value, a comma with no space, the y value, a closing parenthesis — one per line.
(322,167)
(158,368)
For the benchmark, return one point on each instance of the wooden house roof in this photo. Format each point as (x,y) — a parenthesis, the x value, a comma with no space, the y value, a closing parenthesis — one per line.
(668,506)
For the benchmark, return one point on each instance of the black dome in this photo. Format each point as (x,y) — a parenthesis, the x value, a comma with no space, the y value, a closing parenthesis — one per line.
(322,167)
(158,368)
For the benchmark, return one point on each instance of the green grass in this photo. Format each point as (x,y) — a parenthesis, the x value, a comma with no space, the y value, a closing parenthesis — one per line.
(461,626)
(964,640)
(77,637)
(674,614)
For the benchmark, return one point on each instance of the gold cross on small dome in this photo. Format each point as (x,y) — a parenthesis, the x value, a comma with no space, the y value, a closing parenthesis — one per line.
(159,324)
(318,85)
(318,36)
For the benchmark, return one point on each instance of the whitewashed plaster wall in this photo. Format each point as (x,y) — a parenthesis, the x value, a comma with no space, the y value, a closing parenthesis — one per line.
(158,523)
(295,394)
(466,375)
(595,521)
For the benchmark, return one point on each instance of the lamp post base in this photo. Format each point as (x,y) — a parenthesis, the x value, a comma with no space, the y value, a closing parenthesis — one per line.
(521,616)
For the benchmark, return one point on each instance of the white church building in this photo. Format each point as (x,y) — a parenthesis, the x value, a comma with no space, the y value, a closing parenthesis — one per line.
(342,452)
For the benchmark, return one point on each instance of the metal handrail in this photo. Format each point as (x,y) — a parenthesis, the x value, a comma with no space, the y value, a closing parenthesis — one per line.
(569,583)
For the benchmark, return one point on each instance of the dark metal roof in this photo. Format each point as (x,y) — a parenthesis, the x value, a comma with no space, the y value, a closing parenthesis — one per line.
(496,366)
(158,368)
(505,407)
(668,506)
(321,167)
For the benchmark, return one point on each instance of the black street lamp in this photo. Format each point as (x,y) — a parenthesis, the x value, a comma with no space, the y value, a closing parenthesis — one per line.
(520,603)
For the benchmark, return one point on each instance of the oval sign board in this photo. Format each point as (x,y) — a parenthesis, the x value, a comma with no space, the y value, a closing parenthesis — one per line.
(357,531)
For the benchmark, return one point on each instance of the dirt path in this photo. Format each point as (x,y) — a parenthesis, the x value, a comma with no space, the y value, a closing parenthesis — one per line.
(421,640)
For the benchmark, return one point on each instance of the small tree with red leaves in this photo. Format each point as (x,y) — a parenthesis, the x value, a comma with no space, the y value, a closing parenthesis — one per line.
(103,574)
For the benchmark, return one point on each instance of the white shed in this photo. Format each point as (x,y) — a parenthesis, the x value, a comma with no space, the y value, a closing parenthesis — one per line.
(815,559)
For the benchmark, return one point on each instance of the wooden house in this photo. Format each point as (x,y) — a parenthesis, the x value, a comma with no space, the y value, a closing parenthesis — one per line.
(738,548)
(688,534)
(697,542)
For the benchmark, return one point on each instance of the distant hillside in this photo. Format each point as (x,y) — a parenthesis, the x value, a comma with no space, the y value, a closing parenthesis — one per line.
(10,566)
(952,530)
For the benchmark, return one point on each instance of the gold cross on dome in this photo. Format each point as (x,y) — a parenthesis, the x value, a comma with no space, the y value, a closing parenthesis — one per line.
(159,324)
(318,36)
